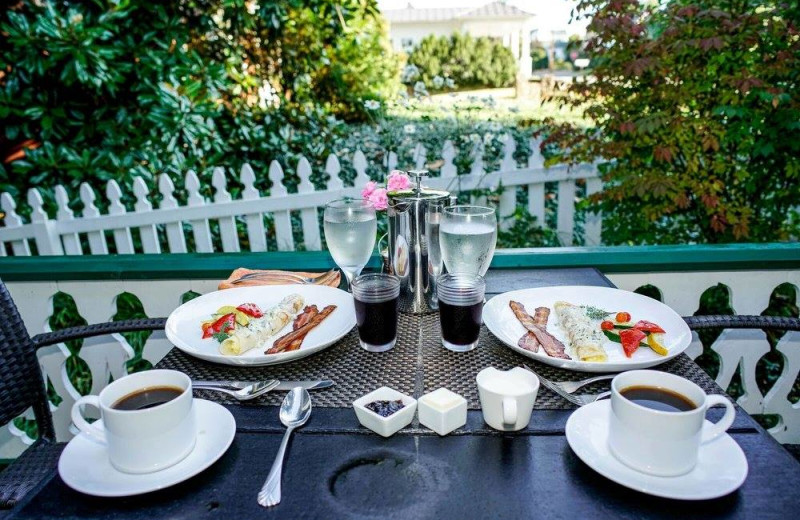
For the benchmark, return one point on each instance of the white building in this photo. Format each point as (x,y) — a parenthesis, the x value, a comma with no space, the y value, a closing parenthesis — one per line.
(499,20)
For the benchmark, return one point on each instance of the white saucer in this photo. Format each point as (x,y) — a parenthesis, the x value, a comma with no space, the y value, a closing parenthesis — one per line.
(84,464)
(721,465)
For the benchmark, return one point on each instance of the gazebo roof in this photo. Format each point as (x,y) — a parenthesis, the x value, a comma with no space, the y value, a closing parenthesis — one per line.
(490,10)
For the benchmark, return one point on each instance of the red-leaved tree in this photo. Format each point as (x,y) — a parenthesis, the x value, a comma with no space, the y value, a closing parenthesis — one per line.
(696,110)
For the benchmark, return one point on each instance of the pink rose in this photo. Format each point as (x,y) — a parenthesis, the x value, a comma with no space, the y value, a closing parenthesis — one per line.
(398,181)
(368,189)
(379,199)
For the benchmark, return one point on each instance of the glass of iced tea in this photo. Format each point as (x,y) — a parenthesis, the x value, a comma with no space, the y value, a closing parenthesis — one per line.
(377,298)
(460,310)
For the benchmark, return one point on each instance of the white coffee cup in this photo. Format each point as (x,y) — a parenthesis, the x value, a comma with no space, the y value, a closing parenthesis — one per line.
(507,397)
(146,440)
(662,443)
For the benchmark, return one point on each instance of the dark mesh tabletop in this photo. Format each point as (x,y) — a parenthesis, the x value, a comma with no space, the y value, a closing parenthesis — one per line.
(354,370)
(416,365)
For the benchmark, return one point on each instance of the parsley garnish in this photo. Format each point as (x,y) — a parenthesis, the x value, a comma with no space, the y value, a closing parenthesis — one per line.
(221,336)
(595,313)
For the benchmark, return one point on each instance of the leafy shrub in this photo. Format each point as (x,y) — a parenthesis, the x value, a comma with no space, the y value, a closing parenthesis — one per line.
(467,60)
(696,105)
(92,91)
(538,56)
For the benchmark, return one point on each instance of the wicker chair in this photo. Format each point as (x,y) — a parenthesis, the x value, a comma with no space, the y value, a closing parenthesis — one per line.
(748,322)
(22,386)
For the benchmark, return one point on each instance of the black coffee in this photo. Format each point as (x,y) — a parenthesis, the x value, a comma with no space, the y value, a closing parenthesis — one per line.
(461,324)
(658,398)
(377,322)
(147,398)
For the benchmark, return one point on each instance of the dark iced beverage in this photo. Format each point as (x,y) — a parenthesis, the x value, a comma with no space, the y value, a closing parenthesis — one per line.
(376,298)
(461,310)
(461,324)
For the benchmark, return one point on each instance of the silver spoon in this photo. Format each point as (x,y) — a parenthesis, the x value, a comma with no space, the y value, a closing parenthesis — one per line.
(295,411)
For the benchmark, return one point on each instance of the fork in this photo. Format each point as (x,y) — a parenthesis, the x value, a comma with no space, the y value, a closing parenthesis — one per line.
(288,276)
(579,400)
(571,386)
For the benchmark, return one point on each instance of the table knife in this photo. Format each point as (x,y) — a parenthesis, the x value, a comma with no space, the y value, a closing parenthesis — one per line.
(308,385)
(283,385)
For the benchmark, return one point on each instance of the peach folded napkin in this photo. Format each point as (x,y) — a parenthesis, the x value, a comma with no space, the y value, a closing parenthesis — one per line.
(242,277)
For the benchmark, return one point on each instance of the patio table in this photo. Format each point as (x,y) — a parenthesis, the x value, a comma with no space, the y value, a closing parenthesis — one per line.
(336,468)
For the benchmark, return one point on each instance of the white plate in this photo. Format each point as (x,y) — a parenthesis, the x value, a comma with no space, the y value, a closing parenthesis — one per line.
(84,464)
(721,465)
(183,325)
(502,323)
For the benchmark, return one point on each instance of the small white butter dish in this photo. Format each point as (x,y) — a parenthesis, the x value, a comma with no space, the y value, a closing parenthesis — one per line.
(442,411)
(385,426)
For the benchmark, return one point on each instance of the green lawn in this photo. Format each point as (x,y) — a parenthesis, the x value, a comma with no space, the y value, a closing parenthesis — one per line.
(499,105)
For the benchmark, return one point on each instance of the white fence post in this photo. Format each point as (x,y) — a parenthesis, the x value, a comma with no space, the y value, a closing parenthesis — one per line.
(360,166)
(308,216)
(200,229)
(448,169)
(97,239)
(508,197)
(122,235)
(44,232)
(390,161)
(283,221)
(592,226)
(566,211)
(255,221)
(420,156)
(147,232)
(176,240)
(333,168)
(71,241)
(536,190)
(477,171)
(12,220)
(227,225)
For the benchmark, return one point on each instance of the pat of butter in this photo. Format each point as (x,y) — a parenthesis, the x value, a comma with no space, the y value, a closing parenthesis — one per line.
(442,399)
(442,411)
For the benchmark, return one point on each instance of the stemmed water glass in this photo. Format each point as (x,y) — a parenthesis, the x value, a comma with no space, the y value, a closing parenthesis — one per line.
(350,229)
(468,235)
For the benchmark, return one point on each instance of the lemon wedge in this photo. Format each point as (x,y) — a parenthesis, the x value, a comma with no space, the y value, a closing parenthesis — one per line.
(653,343)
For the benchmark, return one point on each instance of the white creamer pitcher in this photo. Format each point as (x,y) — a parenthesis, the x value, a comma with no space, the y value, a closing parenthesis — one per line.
(507,397)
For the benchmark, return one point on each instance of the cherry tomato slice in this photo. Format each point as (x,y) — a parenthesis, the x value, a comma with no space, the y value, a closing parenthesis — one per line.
(623,317)
(606,325)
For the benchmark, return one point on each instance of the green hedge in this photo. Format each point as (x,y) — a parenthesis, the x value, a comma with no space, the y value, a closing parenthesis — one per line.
(467,60)
(95,90)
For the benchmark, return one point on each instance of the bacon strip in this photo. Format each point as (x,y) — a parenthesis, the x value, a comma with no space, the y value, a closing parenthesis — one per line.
(294,345)
(304,317)
(293,339)
(537,331)
(529,342)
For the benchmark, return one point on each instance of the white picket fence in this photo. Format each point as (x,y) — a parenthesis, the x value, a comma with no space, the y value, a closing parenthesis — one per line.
(167,223)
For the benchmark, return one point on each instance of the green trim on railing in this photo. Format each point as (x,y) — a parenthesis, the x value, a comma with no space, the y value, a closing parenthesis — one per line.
(645,259)
(613,259)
